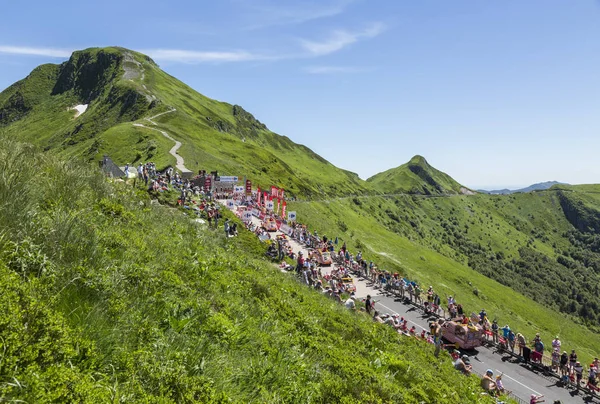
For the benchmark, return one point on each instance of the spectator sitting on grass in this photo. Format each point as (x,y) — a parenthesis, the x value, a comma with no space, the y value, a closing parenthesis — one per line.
(463,364)
(487,382)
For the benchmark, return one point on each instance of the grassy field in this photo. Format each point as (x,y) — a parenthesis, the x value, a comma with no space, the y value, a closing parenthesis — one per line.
(407,234)
(109,298)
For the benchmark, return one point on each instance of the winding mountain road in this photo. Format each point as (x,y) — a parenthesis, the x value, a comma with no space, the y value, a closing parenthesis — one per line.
(517,378)
(180,165)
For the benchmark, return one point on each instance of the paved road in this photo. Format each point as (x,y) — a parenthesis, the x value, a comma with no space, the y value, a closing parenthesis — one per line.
(517,378)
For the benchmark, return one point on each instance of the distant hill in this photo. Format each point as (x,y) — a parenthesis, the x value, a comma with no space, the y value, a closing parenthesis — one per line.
(417,177)
(540,186)
(120,87)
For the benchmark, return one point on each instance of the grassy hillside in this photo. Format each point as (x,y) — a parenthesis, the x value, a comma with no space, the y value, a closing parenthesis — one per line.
(517,256)
(123,87)
(109,298)
(416,177)
(532,259)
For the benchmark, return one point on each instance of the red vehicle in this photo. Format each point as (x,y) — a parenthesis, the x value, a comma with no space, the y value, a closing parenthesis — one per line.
(466,336)
(349,285)
(323,258)
(270,224)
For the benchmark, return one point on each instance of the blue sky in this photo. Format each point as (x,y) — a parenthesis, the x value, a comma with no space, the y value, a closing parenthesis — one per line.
(495,93)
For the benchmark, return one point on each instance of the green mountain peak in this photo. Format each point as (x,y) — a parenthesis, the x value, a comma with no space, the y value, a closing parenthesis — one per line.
(125,103)
(418,159)
(416,177)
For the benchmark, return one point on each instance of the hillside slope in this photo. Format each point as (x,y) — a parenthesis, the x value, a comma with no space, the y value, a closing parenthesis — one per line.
(532,260)
(110,298)
(416,177)
(121,87)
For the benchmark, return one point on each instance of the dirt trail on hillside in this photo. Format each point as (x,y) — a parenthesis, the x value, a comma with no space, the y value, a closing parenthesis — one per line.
(180,165)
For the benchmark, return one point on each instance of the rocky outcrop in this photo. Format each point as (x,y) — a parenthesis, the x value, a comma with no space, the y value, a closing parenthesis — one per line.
(580,216)
(424,175)
(88,73)
(14,109)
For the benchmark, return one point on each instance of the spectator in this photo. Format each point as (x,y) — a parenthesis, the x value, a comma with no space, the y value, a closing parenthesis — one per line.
(350,304)
(555,359)
(499,385)
(578,373)
(535,399)
(572,360)
(495,332)
(556,343)
(564,364)
(522,343)
(487,382)
(511,340)
(368,304)
(464,365)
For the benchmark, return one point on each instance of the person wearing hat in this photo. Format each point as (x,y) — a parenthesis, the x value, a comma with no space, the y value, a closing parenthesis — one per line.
(572,360)
(564,364)
(495,329)
(556,343)
(521,342)
(499,384)
(368,304)
(463,364)
(487,382)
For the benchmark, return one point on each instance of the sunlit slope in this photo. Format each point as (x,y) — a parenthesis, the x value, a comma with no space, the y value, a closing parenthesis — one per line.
(122,87)
(108,297)
(416,177)
(518,256)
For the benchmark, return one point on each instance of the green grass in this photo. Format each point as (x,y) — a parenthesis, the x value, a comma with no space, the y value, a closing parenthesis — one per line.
(406,234)
(215,135)
(109,298)
(415,177)
(542,244)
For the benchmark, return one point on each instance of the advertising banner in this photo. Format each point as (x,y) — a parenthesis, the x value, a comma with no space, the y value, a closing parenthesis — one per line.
(229,203)
(248,187)
(281,193)
(258,195)
(256,212)
(269,205)
(274,192)
(247,216)
(228,178)
(285,229)
(238,189)
(291,216)
(283,208)
(208,183)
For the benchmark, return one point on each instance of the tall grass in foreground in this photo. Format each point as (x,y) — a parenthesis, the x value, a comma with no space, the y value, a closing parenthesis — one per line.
(107,298)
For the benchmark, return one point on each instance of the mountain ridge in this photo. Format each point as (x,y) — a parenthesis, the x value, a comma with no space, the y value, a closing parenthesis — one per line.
(417,176)
(539,186)
(120,87)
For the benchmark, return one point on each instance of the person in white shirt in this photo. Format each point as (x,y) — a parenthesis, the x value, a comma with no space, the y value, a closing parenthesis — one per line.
(350,304)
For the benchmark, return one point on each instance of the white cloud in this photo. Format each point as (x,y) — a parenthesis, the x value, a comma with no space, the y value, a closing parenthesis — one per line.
(339,39)
(274,13)
(190,56)
(333,69)
(24,50)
